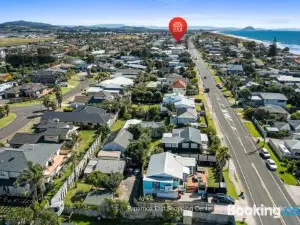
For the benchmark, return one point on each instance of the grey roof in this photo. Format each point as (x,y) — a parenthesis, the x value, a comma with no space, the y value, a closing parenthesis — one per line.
(270,96)
(183,135)
(82,99)
(56,131)
(164,164)
(121,137)
(25,138)
(53,124)
(187,113)
(235,67)
(295,124)
(282,125)
(15,160)
(89,114)
(274,109)
(151,124)
(292,144)
(110,166)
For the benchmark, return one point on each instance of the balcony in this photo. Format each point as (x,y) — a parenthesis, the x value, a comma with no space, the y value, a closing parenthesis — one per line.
(55,166)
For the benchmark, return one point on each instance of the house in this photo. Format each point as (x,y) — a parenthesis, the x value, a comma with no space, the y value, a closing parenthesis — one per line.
(172,98)
(184,140)
(276,111)
(81,100)
(233,69)
(101,96)
(185,103)
(179,86)
(294,147)
(57,134)
(184,116)
(118,141)
(295,125)
(105,166)
(287,79)
(167,174)
(19,139)
(49,77)
(106,67)
(171,78)
(267,98)
(32,90)
(15,161)
(89,116)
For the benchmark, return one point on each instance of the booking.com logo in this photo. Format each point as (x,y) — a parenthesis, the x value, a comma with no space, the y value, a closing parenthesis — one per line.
(261,210)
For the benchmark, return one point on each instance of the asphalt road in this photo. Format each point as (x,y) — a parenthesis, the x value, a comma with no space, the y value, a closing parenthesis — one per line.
(261,186)
(26,114)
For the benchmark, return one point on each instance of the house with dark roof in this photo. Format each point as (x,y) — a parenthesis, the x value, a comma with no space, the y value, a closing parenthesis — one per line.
(295,125)
(20,139)
(81,100)
(48,77)
(233,69)
(32,90)
(185,140)
(88,116)
(14,161)
(118,141)
(106,166)
(154,127)
(276,111)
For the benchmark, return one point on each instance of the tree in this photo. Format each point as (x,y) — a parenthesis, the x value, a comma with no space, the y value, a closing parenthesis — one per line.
(95,178)
(114,208)
(59,98)
(34,176)
(112,181)
(170,214)
(90,59)
(102,76)
(47,102)
(53,105)
(136,130)
(46,217)
(104,130)
(70,73)
(157,150)
(295,116)
(138,152)
(153,112)
(6,109)
(20,215)
(75,157)
(222,157)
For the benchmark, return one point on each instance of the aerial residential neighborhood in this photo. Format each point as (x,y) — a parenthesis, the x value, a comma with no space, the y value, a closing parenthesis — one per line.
(97,125)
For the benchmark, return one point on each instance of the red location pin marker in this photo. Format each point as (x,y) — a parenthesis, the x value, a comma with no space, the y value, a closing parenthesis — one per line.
(178,27)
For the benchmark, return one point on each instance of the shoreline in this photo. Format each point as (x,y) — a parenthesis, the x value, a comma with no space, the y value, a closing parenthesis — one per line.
(266,43)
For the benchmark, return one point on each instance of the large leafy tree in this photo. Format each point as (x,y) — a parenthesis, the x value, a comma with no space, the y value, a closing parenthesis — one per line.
(17,216)
(46,217)
(34,176)
(104,130)
(47,102)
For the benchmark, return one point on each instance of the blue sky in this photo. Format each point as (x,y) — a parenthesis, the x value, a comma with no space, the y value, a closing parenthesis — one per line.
(233,13)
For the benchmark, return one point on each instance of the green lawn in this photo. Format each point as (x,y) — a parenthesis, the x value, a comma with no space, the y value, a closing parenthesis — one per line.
(286,177)
(240,223)
(72,83)
(118,125)
(7,120)
(216,78)
(252,129)
(21,41)
(73,194)
(202,119)
(154,143)
(209,120)
(30,103)
(211,180)
(88,137)
(231,191)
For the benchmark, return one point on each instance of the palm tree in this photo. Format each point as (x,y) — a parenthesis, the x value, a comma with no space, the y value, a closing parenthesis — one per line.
(7,109)
(75,158)
(222,156)
(34,176)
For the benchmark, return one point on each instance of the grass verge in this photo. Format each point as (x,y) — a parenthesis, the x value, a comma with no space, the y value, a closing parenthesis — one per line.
(118,125)
(7,120)
(252,129)
(231,191)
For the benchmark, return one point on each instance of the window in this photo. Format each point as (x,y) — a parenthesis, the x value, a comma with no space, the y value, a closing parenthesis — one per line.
(185,145)
(280,100)
(155,185)
(175,145)
(2,174)
(194,146)
(168,145)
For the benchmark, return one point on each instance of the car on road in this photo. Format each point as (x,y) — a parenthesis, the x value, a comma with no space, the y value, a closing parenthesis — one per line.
(204,77)
(222,198)
(270,163)
(264,153)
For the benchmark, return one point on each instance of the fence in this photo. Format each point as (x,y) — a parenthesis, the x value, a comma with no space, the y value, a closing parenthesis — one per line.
(259,128)
(59,196)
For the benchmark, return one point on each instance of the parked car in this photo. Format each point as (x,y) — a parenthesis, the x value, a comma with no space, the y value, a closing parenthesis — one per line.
(222,198)
(264,153)
(205,77)
(271,164)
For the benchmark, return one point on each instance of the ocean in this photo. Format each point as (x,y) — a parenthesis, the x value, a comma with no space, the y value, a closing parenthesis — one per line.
(290,39)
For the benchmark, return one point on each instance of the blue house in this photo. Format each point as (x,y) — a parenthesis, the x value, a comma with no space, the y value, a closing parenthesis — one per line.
(267,98)
(167,174)
(233,69)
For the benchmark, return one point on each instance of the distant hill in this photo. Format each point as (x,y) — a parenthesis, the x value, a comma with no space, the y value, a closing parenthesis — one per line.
(249,28)
(26,24)
(109,25)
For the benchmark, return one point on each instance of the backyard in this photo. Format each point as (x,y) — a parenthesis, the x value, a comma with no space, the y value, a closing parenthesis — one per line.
(87,138)
(118,125)
(76,194)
